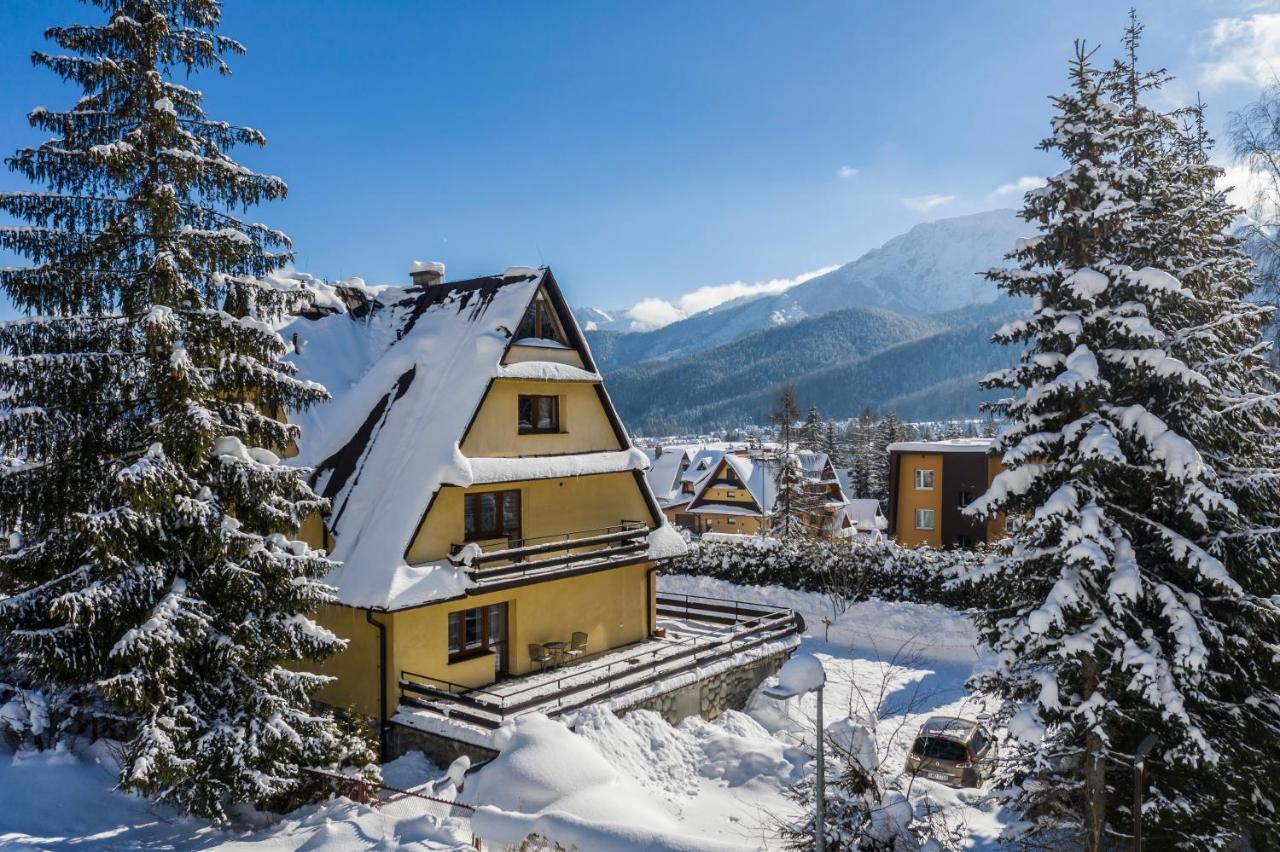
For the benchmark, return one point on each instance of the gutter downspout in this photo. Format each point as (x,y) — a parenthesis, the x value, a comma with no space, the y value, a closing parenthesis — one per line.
(382,684)
(650,604)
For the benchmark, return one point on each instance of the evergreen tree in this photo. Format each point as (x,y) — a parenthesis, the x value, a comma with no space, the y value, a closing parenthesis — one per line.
(890,430)
(154,574)
(792,501)
(830,444)
(811,430)
(1138,593)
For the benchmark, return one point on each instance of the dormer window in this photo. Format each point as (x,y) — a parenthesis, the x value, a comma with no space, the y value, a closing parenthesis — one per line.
(539,323)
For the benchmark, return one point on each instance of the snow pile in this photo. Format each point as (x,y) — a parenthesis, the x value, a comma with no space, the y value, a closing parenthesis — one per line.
(58,799)
(802,673)
(552,782)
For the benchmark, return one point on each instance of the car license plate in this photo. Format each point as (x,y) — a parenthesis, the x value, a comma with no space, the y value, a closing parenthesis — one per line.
(937,776)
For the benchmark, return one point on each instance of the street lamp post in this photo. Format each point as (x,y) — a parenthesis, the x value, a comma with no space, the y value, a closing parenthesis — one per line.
(801,674)
(1139,781)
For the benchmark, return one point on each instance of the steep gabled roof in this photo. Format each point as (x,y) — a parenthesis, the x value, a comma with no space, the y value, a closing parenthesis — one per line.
(408,368)
(666,472)
(759,476)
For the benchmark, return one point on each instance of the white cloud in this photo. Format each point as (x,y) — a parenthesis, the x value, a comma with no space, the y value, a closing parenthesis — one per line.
(925,203)
(1243,50)
(1021,185)
(1242,185)
(652,313)
(846,172)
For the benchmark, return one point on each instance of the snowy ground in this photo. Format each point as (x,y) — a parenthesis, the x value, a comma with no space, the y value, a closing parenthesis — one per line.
(630,783)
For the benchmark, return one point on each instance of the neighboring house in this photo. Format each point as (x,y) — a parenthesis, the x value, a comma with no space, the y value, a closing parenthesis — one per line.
(739,493)
(667,468)
(930,483)
(860,518)
(486,506)
(689,477)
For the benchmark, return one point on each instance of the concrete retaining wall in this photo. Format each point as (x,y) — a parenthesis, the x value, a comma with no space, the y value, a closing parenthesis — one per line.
(730,689)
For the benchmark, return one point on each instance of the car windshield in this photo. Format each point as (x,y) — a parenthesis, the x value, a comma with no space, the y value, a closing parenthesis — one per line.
(939,749)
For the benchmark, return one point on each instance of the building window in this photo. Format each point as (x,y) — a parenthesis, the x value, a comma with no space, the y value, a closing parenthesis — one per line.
(731,494)
(964,541)
(492,514)
(964,498)
(924,519)
(539,414)
(479,630)
(540,323)
(1012,523)
(730,521)
(924,479)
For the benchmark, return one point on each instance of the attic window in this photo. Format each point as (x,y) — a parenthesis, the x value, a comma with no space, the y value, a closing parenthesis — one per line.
(540,323)
(539,414)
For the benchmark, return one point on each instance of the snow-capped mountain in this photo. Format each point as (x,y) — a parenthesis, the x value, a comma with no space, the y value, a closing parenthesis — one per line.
(599,319)
(933,268)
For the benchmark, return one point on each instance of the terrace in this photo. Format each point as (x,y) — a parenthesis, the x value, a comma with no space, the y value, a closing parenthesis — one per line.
(701,634)
(495,565)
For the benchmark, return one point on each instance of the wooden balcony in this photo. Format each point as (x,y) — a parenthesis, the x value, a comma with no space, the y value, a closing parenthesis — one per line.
(512,562)
(700,632)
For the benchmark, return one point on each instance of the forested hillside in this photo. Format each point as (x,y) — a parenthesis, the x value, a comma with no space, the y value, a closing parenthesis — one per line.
(932,374)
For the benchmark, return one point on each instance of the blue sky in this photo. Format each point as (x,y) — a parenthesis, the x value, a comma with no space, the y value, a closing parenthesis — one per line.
(649,149)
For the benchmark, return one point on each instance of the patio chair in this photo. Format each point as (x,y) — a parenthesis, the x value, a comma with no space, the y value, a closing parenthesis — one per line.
(539,655)
(577,645)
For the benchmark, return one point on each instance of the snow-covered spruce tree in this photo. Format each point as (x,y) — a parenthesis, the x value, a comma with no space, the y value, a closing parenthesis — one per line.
(154,574)
(810,437)
(830,444)
(1184,224)
(792,503)
(1113,608)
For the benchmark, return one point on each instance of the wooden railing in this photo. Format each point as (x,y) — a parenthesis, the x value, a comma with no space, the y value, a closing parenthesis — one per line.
(512,559)
(748,625)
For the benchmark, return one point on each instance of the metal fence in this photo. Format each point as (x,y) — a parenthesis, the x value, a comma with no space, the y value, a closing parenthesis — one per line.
(401,804)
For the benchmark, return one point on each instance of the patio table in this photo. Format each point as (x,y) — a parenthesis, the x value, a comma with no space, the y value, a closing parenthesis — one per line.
(556,650)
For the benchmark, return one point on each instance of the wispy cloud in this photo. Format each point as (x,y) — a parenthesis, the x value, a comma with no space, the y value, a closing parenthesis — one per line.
(925,203)
(654,313)
(1021,185)
(1243,50)
(846,172)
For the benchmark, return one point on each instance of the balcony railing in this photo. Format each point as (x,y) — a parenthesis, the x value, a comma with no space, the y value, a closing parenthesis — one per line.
(739,627)
(508,560)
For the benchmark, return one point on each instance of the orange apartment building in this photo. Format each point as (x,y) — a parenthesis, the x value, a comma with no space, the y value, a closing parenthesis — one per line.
(930,483)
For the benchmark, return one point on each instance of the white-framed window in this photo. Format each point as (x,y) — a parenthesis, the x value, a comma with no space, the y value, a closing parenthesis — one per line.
(924,479)
(730,521)
(924,518)
(731,494)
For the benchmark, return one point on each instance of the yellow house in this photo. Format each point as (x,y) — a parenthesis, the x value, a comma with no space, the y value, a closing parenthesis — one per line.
(489,510)
(739,495)
(930,483)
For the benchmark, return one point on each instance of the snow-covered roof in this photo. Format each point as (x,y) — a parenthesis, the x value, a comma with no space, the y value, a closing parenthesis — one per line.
(666,472)
(407,369)
(759,475)
(951,445)
(863,514)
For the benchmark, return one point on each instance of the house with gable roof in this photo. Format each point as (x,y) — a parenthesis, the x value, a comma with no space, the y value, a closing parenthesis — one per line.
(497,534)
(739,493)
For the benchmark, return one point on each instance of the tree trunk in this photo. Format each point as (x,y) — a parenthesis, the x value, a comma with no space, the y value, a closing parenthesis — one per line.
(1095,773)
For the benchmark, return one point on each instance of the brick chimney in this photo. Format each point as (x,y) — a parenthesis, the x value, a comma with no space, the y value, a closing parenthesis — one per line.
(425,273)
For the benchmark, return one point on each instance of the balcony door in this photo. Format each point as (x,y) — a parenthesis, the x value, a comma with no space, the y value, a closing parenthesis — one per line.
(492,515)
(480,630)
